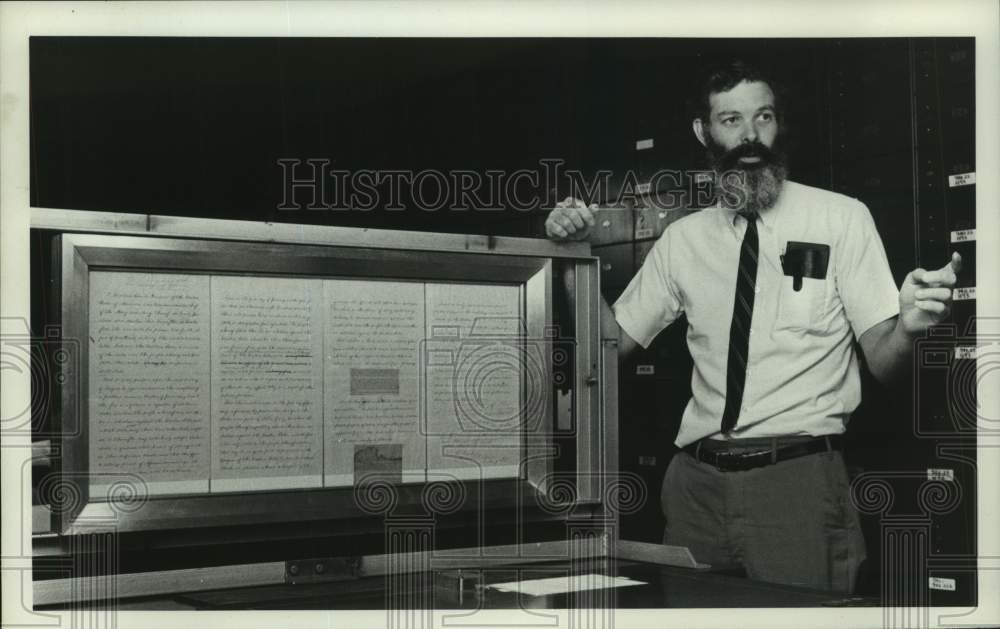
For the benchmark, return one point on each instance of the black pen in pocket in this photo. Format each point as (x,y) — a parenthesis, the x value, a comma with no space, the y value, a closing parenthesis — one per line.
(805,259)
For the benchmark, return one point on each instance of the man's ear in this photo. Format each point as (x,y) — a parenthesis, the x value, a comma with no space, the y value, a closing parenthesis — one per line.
(699,130)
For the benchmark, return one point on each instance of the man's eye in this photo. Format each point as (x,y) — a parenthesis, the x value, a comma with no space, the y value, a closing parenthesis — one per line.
(729,120)
(766,117)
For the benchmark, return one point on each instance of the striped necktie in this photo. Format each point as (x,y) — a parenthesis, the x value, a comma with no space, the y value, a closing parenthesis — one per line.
(739,330)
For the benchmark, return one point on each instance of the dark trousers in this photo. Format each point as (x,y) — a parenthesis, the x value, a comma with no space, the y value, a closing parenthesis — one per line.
(790,522)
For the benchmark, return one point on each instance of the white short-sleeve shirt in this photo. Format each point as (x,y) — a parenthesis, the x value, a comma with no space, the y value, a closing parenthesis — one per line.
(802,374)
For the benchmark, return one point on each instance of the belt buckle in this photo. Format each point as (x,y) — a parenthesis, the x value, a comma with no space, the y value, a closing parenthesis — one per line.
(727,462)
(747,461)
(715,459)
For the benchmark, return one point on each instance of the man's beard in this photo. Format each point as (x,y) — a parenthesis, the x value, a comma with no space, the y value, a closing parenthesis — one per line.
(747,187)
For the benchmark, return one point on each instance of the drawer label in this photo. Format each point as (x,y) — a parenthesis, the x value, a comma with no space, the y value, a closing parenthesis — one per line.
(963,235)
(940,474)
(940,583)
(968,292)
(963,179)
(965,352)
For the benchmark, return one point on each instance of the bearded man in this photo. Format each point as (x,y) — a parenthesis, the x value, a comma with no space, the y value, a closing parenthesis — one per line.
(777,281)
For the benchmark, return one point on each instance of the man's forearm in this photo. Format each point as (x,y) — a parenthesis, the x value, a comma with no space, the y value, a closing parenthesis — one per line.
(609,325)
(610,329)
(890,353)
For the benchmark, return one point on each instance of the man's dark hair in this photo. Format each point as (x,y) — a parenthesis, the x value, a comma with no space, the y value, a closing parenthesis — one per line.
(724,77)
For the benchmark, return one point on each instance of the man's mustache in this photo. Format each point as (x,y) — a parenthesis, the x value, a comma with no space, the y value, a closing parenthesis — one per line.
(731,159)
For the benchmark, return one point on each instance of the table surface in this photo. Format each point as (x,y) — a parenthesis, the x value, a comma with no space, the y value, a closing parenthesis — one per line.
(664,587)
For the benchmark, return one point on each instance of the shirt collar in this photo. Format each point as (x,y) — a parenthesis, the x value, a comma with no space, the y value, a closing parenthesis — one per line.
(768,218)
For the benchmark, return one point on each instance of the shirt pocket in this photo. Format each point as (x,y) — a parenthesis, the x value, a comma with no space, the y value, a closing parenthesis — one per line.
(802,298)
(801,309)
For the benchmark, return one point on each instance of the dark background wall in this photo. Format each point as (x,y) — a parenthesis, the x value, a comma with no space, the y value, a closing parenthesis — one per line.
(195,127)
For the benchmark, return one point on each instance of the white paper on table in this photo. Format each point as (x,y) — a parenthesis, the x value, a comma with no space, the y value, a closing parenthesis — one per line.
(564,584)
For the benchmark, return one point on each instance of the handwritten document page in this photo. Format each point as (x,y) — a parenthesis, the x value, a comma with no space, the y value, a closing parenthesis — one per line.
(267,383)
(473,366)
(149,381)
(372,336)
(225,383)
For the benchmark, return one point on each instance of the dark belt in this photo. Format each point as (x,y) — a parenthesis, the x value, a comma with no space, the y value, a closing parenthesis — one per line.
(745,454)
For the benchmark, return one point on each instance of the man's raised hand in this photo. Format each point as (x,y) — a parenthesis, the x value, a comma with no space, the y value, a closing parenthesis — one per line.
(925,297)
(571,219)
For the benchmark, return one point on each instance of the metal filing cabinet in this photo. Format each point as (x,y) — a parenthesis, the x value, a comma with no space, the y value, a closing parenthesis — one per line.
(613,225)
(654,388)
(650,221)
(647,160)
(916,173)
(617,268)
(944,115)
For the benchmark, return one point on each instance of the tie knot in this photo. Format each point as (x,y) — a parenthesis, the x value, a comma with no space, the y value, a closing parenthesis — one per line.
(750,216)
